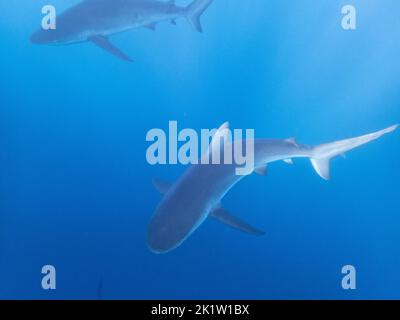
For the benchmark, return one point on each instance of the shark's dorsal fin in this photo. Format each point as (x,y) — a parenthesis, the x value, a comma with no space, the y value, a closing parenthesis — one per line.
(216,140)
(105,44)
(218,135)
(224,126)
(162,186)
(225,217)
(262,171)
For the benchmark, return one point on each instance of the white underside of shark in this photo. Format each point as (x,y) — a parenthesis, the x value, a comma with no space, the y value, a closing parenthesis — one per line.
(198,193)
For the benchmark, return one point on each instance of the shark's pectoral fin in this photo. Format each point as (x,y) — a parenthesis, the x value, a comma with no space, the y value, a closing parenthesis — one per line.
(162,186)
(105,44)
(226,218)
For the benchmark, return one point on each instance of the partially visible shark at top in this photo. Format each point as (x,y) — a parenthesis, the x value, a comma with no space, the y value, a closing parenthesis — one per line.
(96,20)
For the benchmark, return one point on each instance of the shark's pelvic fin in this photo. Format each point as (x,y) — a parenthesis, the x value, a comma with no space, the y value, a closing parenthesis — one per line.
(162,186)
(323,153)
(225,217)
(262,171)
(151,26)
(194,12)
(105,44)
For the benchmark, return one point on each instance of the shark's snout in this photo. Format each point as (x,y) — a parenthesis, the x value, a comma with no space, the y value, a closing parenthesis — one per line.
(158,239)
(42,36)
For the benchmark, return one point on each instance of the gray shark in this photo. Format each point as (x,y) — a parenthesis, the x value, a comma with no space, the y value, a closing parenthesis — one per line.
(198,193)
(95,20)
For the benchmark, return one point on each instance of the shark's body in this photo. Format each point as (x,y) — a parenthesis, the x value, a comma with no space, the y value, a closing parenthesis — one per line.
(198,193)
(95,20)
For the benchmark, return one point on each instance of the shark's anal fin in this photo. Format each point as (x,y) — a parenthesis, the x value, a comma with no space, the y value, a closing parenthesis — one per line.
(162,186)
(105,44)
(225,217)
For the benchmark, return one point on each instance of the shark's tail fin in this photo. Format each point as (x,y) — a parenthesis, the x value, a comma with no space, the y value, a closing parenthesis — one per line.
(194,12)
(322,154)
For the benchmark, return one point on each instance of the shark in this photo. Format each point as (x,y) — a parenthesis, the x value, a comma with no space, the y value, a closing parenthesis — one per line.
(95,20)
(198,193)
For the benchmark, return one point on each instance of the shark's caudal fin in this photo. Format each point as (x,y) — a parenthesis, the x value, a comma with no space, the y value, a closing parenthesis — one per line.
(194,12)
(322,154)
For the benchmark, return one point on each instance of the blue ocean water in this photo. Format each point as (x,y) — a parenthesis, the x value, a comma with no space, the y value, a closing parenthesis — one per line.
(76,190)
